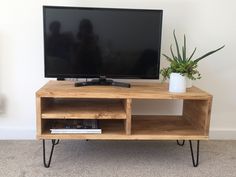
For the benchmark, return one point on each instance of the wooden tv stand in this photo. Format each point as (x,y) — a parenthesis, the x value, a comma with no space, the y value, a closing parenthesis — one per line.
(113,107)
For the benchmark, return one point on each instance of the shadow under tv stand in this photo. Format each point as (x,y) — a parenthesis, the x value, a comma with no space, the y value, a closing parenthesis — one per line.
(112,106)
(102,81)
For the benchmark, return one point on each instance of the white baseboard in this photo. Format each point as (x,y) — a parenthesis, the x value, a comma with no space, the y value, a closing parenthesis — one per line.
(17,134)
(30,134)
(223,134)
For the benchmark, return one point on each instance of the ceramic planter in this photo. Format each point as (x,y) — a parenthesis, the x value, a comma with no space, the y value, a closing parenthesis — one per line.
(189,83)
(177,83)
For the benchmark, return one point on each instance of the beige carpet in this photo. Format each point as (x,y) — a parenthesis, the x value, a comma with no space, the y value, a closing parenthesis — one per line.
(117,159)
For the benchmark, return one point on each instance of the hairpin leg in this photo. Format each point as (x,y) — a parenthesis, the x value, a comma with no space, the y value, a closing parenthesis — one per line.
(47,164)
(57,142)
(195,161)
(180,144)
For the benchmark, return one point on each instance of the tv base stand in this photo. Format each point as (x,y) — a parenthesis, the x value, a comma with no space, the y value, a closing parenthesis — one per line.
(102,81)
(60,101)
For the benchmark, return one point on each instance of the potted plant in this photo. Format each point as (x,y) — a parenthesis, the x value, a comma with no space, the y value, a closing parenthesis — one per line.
(182,66)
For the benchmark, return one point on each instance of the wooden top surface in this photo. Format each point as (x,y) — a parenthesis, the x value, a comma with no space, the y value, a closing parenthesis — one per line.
(66,89)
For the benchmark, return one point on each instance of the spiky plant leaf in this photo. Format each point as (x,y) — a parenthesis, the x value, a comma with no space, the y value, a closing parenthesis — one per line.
(209,53)
(168,58)
(192,54)
(184,54)
(177,46)
(171,50)
(184,49)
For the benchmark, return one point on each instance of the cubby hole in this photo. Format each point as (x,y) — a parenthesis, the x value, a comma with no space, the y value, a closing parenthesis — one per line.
(67,108)
(110,127)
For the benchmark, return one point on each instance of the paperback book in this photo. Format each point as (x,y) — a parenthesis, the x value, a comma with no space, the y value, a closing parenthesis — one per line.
(76,126)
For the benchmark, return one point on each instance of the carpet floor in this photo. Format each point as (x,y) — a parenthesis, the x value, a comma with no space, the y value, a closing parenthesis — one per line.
(117,159)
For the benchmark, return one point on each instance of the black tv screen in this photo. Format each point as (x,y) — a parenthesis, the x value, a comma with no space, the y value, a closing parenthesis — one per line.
(94,42)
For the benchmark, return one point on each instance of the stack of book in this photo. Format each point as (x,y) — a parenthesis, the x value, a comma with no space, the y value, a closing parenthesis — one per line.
(75,126)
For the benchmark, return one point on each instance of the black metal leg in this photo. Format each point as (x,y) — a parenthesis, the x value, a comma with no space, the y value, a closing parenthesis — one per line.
(180,144)
(195,161)
(47,164)
(57,142)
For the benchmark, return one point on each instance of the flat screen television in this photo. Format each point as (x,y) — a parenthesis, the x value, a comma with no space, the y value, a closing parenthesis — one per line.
(101,42)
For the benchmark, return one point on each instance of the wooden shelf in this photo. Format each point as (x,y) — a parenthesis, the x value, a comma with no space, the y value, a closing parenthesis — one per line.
(84,109)
(110,129)
(168,127)
(66,89)
(113,106)
(143,128)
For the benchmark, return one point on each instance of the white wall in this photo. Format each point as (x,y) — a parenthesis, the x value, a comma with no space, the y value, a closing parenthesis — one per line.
(207,24)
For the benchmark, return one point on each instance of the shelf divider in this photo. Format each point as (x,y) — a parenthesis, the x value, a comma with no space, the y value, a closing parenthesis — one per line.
(127,105)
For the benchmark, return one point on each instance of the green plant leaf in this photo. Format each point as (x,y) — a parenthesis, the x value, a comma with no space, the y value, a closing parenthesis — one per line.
(168,58)
(177,46)
(192,54)
(184,54)
(184,49)
(171,50)
(165,72)
(207,54)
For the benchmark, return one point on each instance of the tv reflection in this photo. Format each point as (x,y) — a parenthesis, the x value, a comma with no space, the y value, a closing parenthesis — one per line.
(88,58)
(59,48)
(68,54)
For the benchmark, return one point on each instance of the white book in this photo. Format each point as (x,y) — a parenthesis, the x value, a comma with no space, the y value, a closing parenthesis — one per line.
(89,131)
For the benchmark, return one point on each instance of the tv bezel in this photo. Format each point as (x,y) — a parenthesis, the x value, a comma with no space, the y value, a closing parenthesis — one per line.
(62,76)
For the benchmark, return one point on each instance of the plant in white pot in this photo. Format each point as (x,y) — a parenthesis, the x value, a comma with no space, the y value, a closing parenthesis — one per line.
(182,67)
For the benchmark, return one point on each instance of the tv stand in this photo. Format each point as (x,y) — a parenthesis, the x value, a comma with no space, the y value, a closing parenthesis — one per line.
(102,81)
(112,106)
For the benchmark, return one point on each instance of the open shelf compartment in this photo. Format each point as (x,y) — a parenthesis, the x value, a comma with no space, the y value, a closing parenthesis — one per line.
(110,129)
(165,127)
(55,108)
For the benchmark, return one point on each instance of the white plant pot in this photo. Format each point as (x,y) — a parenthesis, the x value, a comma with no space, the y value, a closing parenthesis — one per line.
(177,83)
(189,83)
